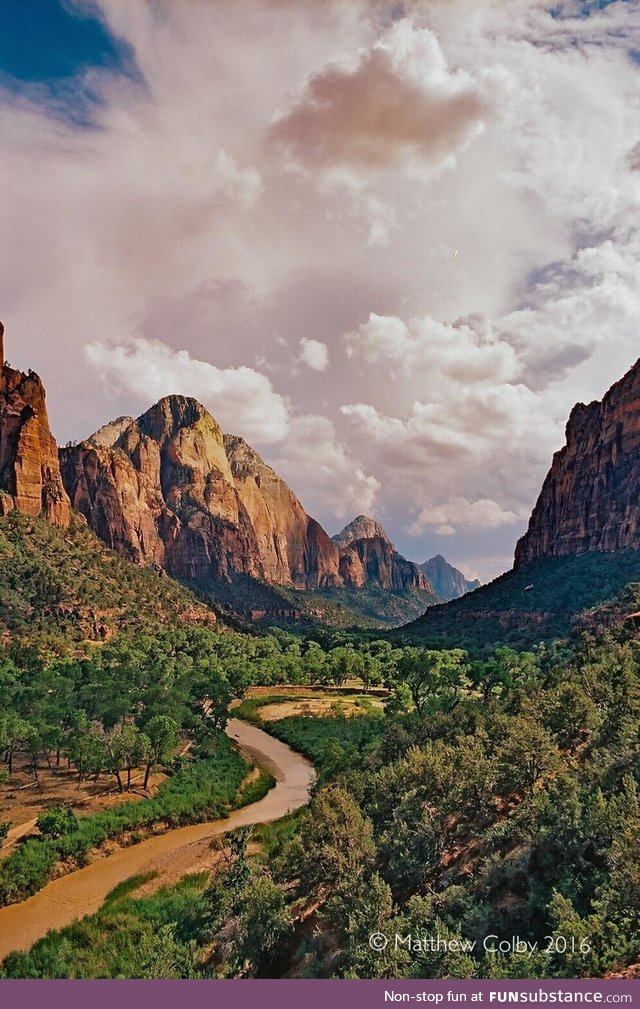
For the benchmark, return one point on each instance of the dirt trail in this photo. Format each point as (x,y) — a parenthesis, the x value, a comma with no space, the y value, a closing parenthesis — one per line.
(82,892)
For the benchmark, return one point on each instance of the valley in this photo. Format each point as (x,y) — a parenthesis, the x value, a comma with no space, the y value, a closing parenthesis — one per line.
(217,723)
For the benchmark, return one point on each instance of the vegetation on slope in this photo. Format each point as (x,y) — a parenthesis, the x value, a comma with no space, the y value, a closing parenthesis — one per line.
(278,605)
(66,584)
(551,598)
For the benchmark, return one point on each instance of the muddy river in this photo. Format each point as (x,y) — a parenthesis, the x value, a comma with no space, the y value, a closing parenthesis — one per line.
(82,892)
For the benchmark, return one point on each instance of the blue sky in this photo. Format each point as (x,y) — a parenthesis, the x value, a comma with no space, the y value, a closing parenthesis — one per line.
(46,47)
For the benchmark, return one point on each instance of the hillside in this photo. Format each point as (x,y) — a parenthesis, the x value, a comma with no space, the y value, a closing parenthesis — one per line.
(66,582)
(550,598)
(582,546)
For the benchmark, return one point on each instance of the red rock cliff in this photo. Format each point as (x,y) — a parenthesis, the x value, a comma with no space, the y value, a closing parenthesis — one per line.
(30,478)
(590,498)
(171,490)
(367,556)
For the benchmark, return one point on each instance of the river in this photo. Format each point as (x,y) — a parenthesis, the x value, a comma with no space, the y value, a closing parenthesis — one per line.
(82,892)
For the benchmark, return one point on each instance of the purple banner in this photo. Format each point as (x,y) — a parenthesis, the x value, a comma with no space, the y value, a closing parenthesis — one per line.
(315,994)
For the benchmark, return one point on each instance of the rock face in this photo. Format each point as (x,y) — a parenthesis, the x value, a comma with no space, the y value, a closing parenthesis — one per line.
(30,480)
(170,489)
(447,581)
(367,556)
(294,549)
(589,500)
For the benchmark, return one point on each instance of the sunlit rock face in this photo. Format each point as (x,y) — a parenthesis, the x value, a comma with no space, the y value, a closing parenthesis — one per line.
(170,489)
(589,500)
(30,479)
(369,557)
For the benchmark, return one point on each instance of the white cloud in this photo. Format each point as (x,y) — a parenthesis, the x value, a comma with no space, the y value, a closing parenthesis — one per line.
(314,354)
(241,399)
(178,220)
(446,518)
(322,471)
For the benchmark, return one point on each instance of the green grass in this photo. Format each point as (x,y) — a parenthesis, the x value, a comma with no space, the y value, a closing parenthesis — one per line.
(129,937)
(249,710)
(207,789)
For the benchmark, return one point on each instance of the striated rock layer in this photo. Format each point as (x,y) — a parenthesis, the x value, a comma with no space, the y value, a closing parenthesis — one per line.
(589,500)
(30,480)
(367,556)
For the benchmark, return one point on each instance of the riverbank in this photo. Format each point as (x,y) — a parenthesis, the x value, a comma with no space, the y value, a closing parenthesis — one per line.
(82,892)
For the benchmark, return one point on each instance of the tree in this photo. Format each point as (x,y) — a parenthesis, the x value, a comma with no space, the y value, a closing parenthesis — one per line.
(336,839)
(526,753)
(162,733)
(433,677)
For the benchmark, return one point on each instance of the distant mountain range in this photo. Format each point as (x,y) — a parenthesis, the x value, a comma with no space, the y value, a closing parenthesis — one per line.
(447,581)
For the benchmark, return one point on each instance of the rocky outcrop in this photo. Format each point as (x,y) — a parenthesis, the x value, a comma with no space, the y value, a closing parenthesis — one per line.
(589,500)
(30,480)
(170,489)
(448,582)
(367,556)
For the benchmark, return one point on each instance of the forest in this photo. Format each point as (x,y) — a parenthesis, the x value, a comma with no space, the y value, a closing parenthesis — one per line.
(465,795)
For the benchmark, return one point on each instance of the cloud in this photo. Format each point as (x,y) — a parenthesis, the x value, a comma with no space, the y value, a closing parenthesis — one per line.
(398,104)
(466,351)
(314,354)
(180,218)
(241,399)
(322,470)
(446,518)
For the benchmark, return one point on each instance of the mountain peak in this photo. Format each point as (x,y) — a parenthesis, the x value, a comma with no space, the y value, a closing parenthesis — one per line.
(361,528)
(448,582)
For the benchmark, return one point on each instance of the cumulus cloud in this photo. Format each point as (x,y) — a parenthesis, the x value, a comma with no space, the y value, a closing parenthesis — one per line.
(453,208)
(399,104)
(330,482)
(446,518)
(241,399)
(314,354)
(467,350)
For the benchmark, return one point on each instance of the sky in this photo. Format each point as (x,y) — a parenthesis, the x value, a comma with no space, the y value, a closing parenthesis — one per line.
(390,244)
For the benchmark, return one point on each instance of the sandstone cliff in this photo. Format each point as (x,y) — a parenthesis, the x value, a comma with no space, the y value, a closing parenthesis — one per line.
(448,582)
(170,489)
(589,500)
(367,556)
(30,480)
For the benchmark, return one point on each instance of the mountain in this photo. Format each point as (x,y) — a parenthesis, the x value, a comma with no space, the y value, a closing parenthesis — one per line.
(577,565)
(447,581)
(367,556)
(589,500)
(171,490)
(30,479)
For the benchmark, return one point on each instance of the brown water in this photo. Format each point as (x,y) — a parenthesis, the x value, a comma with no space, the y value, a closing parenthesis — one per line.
(82,892)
